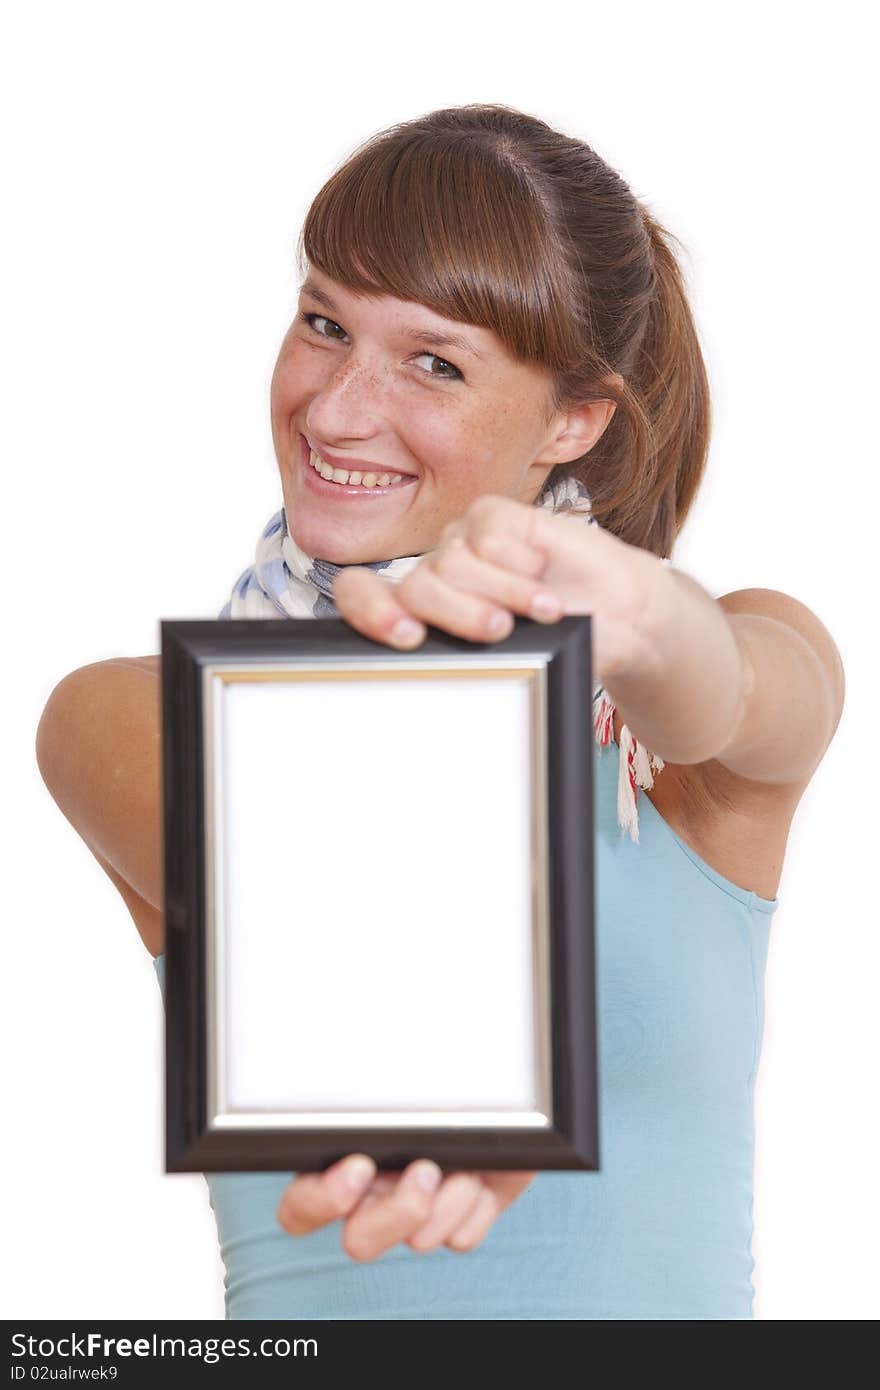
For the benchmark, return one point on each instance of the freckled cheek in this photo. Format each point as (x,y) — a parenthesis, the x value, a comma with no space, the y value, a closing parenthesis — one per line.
(446,447)
(444,462)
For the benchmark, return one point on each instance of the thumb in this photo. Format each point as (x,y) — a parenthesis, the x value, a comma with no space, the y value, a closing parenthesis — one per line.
(370,605)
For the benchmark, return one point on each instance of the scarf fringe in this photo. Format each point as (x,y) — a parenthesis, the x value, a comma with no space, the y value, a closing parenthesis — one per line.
(637,764)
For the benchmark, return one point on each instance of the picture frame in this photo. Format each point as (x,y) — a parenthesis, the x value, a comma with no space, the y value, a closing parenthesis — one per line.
(379,897)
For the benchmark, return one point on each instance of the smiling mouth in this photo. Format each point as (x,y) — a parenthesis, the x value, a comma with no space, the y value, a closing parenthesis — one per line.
(344,482)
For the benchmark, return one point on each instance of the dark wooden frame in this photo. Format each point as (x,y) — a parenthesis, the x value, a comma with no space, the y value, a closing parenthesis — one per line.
(572,1141)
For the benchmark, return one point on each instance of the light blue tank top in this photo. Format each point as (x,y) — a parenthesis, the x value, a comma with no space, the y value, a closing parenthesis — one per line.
(664,1230)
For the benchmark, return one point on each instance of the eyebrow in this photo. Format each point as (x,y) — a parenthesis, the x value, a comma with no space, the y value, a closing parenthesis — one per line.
(430,337)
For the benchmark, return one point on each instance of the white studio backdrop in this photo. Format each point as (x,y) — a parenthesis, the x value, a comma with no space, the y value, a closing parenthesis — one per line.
(159,159)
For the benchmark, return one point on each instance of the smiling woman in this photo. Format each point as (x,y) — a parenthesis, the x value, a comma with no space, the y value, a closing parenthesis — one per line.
(491,402)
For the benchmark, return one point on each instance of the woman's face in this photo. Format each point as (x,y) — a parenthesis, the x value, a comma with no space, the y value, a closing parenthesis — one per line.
(377,385)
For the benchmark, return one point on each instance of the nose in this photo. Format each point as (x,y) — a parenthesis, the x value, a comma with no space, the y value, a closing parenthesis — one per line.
(348,405)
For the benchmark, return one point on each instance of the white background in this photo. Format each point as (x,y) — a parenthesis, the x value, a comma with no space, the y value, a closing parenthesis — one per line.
(158,162)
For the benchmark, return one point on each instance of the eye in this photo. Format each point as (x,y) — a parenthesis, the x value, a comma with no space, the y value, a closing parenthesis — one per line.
(448,370)
(456,375)
(314,319)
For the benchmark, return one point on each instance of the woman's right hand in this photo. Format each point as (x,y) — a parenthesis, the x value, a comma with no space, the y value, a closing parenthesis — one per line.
(419,1206)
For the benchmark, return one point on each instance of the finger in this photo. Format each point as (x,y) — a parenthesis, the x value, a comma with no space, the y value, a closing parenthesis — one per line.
(499,545)
(382,1185)
(476,1224)
(378,1224)
(463,569)
(369,604)
(314,1199)
(464,595)
(456,1198)
(498,1190)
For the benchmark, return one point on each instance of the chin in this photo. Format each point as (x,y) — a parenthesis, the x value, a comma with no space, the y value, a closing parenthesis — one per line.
(325,543)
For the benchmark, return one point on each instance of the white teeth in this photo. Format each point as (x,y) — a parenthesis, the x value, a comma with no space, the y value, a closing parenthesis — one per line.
(352,479)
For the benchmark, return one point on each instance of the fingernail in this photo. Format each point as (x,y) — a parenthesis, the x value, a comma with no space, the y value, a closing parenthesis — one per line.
(499,625)
(545,605)
(358,1172)
(407,631)
(428,1176)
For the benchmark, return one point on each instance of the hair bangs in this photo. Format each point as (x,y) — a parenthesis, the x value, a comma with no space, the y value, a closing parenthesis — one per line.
(454,224)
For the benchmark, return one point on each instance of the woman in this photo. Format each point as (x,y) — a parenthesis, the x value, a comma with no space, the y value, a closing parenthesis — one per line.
(492,402)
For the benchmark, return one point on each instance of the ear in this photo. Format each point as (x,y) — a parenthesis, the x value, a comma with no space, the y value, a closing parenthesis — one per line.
(573,432)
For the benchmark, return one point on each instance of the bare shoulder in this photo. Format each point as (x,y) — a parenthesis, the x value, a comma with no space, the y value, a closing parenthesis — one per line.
(738,824)
(98,749)
(779,607)
(153,664)
(807,653)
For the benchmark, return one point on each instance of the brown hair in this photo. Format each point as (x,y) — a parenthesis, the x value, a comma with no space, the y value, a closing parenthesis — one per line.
(490,217)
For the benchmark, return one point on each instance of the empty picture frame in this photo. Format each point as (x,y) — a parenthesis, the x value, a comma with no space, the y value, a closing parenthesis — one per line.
(379,897)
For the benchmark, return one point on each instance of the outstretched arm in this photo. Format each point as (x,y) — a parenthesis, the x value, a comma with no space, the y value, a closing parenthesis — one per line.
(752,679)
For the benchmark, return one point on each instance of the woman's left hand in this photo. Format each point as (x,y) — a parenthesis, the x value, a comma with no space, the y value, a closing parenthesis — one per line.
(503,558)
